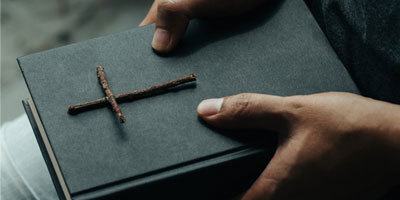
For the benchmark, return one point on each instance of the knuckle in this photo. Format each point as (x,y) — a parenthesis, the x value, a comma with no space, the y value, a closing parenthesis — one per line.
(167,5)
(295,107)
(242,105)
(177,7)
(295,102)
(171,13)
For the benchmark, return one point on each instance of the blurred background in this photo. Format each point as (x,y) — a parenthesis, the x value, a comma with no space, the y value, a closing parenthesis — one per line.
(29,26)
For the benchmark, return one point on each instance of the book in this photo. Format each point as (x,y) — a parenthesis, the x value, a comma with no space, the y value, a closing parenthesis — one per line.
(164,150)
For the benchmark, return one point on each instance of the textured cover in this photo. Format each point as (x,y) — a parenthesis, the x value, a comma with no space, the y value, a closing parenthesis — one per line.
(282,52)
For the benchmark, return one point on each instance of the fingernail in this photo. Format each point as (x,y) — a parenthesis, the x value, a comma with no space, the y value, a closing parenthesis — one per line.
(210,107)
(161,39)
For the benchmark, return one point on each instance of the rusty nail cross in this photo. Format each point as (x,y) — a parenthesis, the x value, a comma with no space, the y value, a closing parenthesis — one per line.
(113,100)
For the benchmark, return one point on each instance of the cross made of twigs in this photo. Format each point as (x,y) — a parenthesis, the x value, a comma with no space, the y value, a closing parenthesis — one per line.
(114,100)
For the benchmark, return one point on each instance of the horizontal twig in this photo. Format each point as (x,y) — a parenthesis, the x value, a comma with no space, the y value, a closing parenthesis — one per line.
(131,96)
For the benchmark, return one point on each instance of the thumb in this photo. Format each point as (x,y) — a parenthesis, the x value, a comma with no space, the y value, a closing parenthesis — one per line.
(172,19)
(247,111)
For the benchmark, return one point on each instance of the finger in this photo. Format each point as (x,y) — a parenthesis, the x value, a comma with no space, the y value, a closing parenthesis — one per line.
(267,184)
(263,189)
(278,180)
(247,111)
(171,23)
(151,15)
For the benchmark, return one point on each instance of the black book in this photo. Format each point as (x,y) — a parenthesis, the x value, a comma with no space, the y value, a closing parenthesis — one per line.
(164,150)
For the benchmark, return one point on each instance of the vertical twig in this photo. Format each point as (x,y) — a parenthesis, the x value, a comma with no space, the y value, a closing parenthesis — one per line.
(109,95)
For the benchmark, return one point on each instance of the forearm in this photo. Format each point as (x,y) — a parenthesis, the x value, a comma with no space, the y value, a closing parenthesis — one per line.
(385,125)
(393,135)
(388,125)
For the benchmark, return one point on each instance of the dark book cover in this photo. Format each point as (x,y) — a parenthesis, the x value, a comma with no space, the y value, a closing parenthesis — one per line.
(164,150)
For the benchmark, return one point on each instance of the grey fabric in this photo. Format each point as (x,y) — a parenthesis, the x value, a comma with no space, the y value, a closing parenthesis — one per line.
(23,172)
(283,52)
(365,35)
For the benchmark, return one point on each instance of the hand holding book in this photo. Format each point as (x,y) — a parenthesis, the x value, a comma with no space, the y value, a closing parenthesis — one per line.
(332,145)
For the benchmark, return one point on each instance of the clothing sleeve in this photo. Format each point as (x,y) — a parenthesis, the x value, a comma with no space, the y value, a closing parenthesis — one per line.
(365,36)
(24,174)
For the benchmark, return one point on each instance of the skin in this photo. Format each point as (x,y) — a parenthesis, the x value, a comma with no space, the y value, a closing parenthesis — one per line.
(331,145)
(172,17)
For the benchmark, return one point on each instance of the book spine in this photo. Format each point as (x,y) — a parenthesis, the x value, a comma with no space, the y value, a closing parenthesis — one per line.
(60,186)
(222,177)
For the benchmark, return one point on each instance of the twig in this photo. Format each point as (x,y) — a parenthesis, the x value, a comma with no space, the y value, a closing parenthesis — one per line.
(101,75)
(131,96)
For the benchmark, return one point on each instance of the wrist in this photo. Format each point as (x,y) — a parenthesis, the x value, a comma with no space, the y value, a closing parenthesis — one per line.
(384,126)
(387,125)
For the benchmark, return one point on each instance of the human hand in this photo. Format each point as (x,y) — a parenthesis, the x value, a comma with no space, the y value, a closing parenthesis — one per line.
(172,17)
(331,145)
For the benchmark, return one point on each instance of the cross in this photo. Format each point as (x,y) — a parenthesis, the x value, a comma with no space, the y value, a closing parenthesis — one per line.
(113,100)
